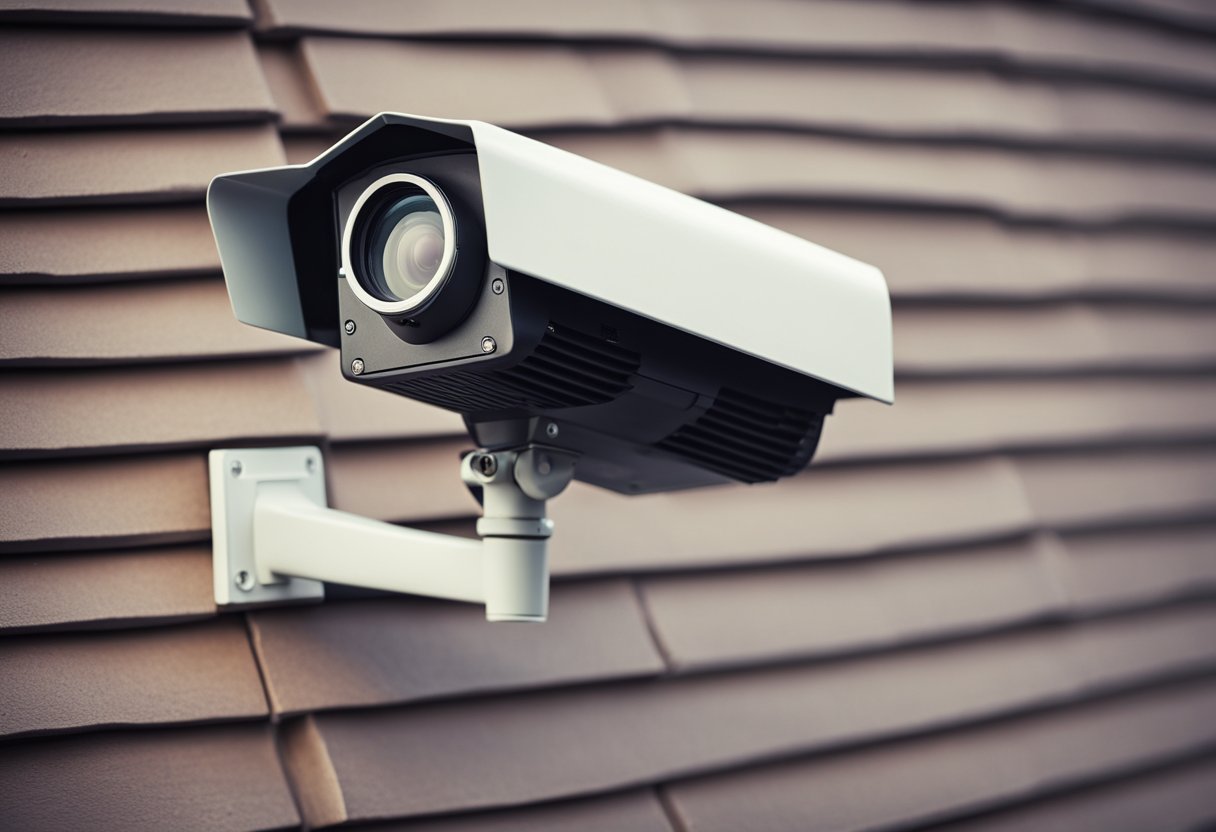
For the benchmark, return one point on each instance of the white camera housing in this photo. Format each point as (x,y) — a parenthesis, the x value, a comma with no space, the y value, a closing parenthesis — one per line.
(639,246)
(586,323)
(647,325)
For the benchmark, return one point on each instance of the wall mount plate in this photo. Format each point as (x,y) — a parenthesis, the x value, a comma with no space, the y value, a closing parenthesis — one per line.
(236,476)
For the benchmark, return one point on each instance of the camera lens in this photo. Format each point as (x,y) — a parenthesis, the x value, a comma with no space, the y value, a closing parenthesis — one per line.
(399,246)
(410,256)
(405,247)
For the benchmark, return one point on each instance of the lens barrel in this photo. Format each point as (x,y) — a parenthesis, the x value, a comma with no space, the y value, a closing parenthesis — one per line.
(400,257)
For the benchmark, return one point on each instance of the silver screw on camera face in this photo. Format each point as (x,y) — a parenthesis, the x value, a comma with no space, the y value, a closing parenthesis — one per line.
(349,327)
(551,430)
(356,366)
(488,344)
(498,286)
(236,467)
(244,581)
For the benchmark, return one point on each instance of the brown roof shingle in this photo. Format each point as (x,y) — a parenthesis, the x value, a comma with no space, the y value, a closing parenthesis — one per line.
(643,732)
(223,777)
(124,166)
(106,244)
(974,769)
(841,511)
(193,673)
(596,86)
(391,651)
(126,323)
(58,76)
(105,589)
(994,33)
(106,502)
(81,411)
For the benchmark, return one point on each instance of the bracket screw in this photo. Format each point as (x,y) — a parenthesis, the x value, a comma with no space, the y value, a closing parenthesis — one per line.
(356,366)
(488,344)
(349,327)
(236,467)
(487,465)
(244,581)
(551,430)
(498,286)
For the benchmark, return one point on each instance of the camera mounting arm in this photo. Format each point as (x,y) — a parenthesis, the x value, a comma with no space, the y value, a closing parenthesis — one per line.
(274,540)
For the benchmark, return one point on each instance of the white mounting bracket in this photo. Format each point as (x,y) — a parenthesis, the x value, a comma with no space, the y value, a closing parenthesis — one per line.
(275,541)
(236,477)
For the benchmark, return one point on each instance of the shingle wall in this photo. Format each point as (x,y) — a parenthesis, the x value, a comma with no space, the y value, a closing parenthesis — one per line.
(991,605)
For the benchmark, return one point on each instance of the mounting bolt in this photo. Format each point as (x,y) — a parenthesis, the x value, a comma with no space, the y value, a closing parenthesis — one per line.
(356,366)
(487,465)
(349,327)
(498,286)
(244,581)
(551,430)
(236,468)
(488,344)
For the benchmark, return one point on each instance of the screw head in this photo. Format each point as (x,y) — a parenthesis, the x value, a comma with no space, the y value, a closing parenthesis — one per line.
(357,366)
(487,465)
(236,467)
(244,580)
(488,344)
(349,327)
(551,430)
(498,286)
(310,465)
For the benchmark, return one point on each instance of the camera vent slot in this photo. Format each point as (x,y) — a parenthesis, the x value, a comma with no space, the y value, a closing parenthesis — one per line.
(748,439)
(567,369)
(575,368)
(462,391)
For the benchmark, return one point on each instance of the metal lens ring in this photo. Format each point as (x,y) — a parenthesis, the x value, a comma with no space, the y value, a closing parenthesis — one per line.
(400,241)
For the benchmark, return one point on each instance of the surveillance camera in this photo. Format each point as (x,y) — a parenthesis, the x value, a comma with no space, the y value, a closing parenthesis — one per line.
(552,301)
(587,325)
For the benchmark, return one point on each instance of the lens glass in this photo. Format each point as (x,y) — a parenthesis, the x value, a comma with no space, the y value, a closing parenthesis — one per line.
(405,247)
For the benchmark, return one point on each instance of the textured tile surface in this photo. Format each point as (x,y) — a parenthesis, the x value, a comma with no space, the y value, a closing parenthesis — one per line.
(54,76)
(969,769)
(643,732)
(994,599)
(391,651)
(195,673)
(224,777)
(109,588)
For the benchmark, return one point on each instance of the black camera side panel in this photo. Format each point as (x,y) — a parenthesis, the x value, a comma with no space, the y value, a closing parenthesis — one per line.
(674,410)
(646,407)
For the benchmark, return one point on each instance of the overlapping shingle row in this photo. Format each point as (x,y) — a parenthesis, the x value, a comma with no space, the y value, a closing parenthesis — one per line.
(994,599)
